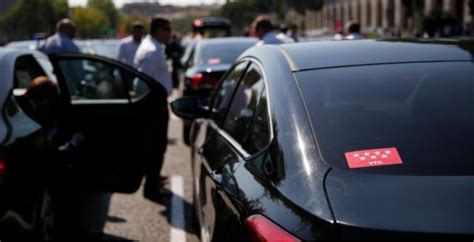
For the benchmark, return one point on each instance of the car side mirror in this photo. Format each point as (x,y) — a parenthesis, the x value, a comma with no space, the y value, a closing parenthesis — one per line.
(189,108)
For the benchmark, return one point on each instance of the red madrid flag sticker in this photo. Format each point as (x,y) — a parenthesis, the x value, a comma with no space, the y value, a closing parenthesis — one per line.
(374,157)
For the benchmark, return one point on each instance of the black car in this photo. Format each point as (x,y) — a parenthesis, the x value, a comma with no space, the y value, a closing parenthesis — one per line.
(212,27)
(337,140)
(205,64)
(120,113)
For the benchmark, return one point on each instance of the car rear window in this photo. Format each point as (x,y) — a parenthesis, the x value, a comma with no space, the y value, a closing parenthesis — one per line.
(423,112)
(214,54)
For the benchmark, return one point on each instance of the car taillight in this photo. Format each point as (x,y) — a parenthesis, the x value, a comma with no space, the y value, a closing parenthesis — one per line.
(262,229)
(200,80)
(2,167)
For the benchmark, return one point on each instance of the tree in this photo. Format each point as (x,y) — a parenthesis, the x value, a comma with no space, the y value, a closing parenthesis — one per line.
(90,22)
(126,22)
(302,5)
(242,12)
(61,8)
(108,8)
(28,17)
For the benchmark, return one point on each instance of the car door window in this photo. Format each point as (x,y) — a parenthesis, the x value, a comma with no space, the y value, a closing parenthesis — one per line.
(26,69)
(223,94)
(244,106)
(93,80)
(260,131)
(47,66)
(137,87)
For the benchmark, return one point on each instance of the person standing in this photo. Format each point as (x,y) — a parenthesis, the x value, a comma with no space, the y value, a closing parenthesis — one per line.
(151,60)
(151,57)
(283,34)
(174,52)
(264,31)
(62,41)
(353,28)
(294,32)
(128,46)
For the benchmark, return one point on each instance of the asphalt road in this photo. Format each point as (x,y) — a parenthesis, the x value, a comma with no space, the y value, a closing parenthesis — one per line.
(132,217)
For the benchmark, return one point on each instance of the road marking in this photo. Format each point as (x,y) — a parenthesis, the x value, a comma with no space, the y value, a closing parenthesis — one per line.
(178,220)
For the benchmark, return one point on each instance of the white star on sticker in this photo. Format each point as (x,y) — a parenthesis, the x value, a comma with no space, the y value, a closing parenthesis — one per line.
(362,158)
(387,152)
(377,153)
(366,153)
(373,157)
(384,156)
(356,155)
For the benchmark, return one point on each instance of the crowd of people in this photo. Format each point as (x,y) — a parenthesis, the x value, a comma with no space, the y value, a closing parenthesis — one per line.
(150,54)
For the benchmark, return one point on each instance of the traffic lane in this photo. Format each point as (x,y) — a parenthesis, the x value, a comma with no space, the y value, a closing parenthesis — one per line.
(132,217)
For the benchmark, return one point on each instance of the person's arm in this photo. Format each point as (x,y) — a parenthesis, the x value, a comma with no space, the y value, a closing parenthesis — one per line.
(121,53)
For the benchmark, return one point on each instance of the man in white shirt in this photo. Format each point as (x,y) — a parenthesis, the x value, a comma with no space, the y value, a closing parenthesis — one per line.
(151,58)
(264,31)
(128,46)
(283,35)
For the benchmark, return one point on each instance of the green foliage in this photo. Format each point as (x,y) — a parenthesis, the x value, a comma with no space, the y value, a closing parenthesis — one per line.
(183,25)
(126,22)
(28,17)
(61,8)
(90,22)
(108,8)
(302,5)
(243,12)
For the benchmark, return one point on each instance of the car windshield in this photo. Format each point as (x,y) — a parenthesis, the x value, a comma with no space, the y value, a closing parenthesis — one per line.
(215,32)
(225,53)
(424,112)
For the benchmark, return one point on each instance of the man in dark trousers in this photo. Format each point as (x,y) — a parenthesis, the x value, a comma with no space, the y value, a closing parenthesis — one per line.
(151,59)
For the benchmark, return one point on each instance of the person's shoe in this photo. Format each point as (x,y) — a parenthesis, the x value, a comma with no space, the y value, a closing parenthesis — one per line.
(157,194)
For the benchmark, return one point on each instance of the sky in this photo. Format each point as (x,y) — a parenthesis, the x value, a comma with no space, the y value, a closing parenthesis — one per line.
(119,3)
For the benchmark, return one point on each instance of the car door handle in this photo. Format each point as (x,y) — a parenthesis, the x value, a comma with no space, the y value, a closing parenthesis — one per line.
(217,177)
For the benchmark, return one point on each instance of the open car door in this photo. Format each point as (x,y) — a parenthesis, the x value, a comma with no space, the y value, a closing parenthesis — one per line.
(122,114)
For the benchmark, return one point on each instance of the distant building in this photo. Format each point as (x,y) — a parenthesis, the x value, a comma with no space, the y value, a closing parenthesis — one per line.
(395,16)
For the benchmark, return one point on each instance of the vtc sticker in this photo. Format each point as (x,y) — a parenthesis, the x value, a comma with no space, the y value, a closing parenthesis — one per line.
(373,157)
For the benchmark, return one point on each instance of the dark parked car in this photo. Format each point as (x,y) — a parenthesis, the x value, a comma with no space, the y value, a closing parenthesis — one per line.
(119,111)
(338,140)
(205,64)
(212,27)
